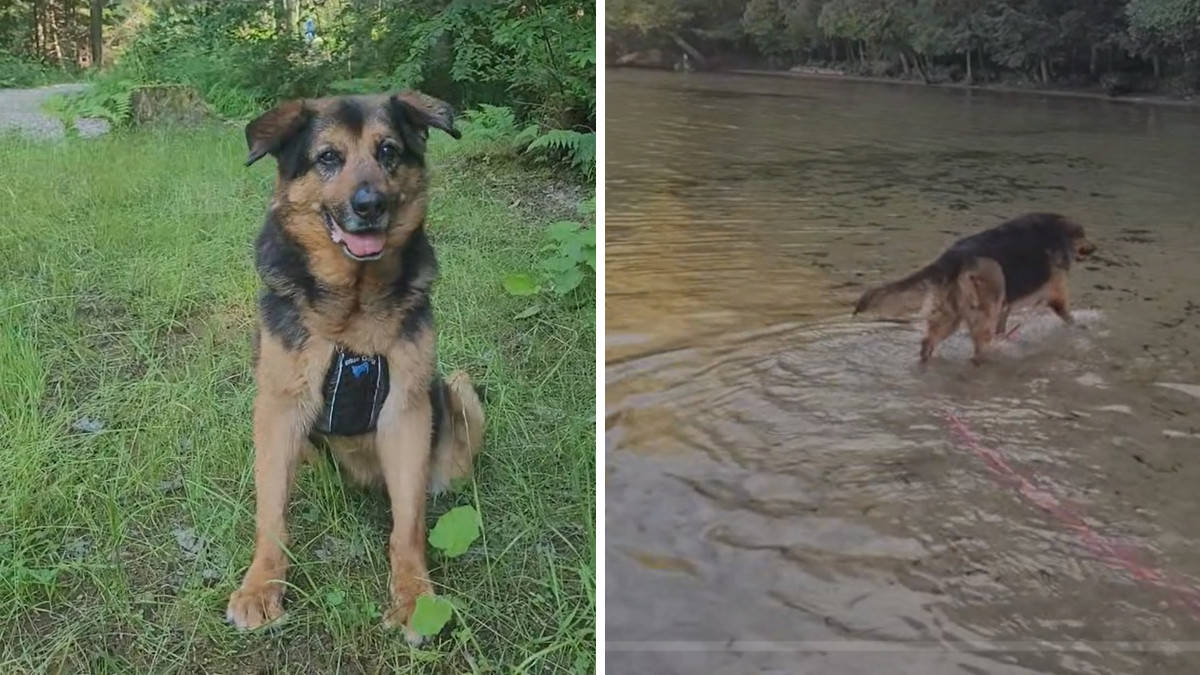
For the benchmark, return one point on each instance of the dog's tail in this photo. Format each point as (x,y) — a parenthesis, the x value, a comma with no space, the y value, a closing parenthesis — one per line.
(898,297)
(460,436)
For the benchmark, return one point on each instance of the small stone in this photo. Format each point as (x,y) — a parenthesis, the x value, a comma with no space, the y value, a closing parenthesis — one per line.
(171,485)
(189,542)
(77,548)
(88,425)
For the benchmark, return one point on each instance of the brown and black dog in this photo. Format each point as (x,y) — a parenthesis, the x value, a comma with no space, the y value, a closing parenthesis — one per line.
(345,346)
(980,278)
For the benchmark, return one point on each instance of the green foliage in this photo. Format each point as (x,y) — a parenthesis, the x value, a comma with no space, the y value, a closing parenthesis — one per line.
(1017,40)
(20,71)
(521,283)
(520,66)
(579,148)
(569,256)
(1155,24)
(109,99)
(431,615)
(493,130)
(455,531)
(565,261)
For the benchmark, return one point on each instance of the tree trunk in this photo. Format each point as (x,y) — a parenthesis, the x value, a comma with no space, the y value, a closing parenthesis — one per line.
(72,48)
(55,44)
(916,59)
(1092,60)
(833,49)
(35,29)
(293,16)
(970,77)
(862,52)
(96,31)
(1045,70)
(281,18)
(904,63)
(1157,67)
(691,51)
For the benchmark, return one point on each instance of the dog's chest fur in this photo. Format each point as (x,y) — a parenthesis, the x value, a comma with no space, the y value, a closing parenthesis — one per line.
(364,319)
(365,308)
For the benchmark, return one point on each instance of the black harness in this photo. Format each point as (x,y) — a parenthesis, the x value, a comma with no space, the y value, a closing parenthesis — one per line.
(355,388)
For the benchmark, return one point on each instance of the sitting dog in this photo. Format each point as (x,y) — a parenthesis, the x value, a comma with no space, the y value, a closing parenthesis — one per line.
(979,279)
(345,347)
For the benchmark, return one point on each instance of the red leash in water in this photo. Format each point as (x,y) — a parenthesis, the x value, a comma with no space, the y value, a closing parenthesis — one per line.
(1112,553)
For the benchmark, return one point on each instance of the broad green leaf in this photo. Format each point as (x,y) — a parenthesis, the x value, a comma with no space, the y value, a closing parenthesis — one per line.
(573,248)
(520,284)
(455,531)
(335,597)
(558,263)
(567,281)
(431,615)
(562,229)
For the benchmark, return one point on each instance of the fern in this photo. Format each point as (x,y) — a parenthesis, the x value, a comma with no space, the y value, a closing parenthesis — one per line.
(111,100)
(580,148)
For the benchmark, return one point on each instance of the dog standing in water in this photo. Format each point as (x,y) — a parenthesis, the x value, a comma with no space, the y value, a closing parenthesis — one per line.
(979,279)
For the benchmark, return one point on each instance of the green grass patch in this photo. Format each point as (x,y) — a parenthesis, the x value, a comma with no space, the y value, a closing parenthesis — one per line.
(127,301)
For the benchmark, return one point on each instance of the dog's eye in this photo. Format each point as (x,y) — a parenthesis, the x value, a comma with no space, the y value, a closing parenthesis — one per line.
(329,158)
(388,153)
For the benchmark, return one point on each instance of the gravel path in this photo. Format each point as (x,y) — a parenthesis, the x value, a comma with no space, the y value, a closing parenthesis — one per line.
(21,110)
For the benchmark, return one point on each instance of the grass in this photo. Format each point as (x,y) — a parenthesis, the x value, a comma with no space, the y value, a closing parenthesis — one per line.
(127,301)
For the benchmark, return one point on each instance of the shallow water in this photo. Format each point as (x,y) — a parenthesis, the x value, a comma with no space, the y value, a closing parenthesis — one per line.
(787,492)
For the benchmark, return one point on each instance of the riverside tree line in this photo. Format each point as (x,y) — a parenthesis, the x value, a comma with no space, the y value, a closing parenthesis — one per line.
(1124,45)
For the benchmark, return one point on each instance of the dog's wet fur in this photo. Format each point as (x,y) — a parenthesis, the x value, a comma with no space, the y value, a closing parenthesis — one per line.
(981,278)
(345,263)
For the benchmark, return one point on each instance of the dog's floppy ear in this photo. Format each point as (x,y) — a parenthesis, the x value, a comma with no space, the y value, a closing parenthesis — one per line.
(423,112)
(270,131)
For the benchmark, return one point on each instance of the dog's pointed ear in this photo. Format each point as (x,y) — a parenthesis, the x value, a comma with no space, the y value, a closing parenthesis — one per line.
(271,130)
(425,111)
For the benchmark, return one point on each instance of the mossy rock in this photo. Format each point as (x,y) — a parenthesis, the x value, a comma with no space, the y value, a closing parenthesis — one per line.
(168,103)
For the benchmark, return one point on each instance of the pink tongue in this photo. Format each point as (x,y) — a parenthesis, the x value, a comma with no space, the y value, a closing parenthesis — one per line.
(363,245)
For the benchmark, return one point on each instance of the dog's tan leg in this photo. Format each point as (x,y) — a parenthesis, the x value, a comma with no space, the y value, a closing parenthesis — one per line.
(1059,298)
(981,301)
(403,444)
(461,434)
(981,337)
(1002,320)
(941,326)
(283,410)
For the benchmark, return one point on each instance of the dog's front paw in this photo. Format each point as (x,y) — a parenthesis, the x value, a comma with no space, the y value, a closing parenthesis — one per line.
(405,589)
(253,607)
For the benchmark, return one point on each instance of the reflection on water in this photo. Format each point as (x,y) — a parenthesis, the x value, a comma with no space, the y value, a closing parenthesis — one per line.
(783,491)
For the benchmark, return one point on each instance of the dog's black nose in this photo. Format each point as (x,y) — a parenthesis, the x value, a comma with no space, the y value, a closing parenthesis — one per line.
(367,203)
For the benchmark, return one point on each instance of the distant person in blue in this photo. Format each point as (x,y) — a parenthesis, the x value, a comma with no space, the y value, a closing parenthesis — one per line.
(310,30)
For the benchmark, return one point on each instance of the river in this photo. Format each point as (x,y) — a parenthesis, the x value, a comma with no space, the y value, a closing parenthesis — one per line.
(786,491)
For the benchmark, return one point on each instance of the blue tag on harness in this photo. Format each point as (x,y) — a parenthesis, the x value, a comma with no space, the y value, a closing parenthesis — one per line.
(355,388)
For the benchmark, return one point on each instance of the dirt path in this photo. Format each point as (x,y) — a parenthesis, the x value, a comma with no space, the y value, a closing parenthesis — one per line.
(21,110)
